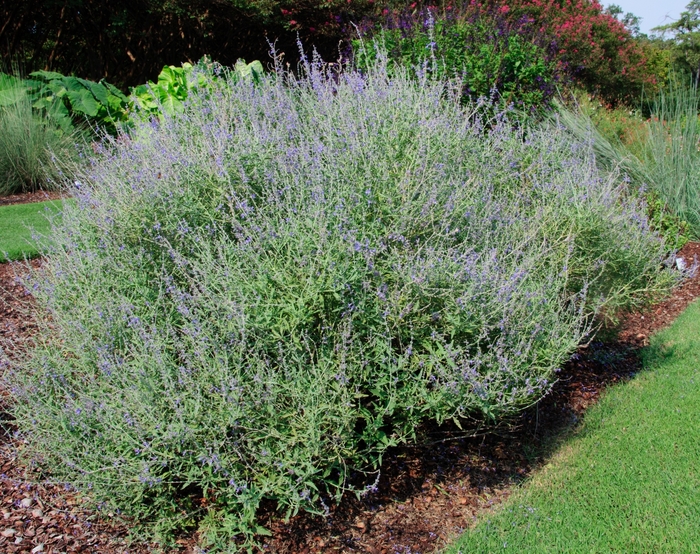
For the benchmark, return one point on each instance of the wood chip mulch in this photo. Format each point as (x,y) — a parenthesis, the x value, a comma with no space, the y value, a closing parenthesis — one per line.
(27,197)
(424,496)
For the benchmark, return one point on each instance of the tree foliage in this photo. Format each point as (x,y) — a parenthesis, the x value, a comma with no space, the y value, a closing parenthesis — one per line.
(686,38)
(128,41)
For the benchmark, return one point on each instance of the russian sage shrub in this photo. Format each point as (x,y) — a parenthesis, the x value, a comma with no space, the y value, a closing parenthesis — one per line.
(256,298)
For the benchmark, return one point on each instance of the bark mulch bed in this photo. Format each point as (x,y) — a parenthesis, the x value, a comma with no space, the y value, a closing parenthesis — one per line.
(27,197)
(423,497)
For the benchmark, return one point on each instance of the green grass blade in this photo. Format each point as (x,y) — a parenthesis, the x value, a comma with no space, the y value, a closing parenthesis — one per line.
(628,481)
(19,223)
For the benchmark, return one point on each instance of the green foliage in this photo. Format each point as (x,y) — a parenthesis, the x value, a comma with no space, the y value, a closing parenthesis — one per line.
(23,227)
(129,42)
(72,102)
(254,298)
(68,101)
(168,95)
(673,229)
(477,52)
(627,480)
(685,38)
(75,101)
(34,148)
(654,154)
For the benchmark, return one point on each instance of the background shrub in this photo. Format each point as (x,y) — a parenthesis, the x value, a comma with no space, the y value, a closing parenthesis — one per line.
(254,299)
(584,42)
(486,50)
(684,39)
(73,102)
(592,46)
(128,42)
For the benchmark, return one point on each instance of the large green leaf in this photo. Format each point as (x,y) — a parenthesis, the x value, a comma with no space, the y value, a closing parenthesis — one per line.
(172,76)
(98,90)
(251,72)
(82,101)
(114,91)
(171,104)
(46,75)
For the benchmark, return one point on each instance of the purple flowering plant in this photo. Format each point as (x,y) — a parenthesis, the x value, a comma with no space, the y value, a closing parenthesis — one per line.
(257,297)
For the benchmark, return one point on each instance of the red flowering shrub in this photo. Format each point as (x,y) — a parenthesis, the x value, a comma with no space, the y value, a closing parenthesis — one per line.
(596,49)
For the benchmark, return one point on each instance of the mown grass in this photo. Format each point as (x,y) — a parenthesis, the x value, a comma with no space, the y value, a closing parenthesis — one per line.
(21,225)
(629,480)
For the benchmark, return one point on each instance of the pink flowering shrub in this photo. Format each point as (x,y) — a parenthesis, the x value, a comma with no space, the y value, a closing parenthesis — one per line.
(596,49)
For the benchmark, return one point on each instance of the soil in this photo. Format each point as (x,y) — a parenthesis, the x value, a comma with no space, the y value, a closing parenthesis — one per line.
(27,197)
(424,494)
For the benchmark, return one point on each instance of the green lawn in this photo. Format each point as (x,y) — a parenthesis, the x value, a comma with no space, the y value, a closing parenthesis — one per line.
(16,225)
(629,480)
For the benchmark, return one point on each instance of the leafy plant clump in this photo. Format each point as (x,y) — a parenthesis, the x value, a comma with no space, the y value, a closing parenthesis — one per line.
(254,299)
(170,92)
(483,48)
(74,103)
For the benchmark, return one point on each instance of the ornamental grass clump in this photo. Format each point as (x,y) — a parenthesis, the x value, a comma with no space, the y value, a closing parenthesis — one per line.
(255,299)
(34,149)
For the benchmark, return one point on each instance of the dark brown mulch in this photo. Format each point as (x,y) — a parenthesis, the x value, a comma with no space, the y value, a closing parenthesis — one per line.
(27,197)
(424,496)
(637,327)
(40,516)
(16,324)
